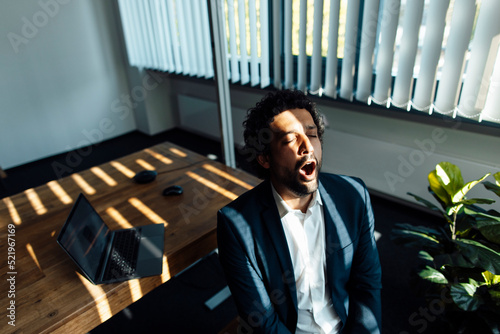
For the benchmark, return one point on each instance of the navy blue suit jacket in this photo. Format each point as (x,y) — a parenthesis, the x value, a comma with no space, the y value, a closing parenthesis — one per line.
(254,254)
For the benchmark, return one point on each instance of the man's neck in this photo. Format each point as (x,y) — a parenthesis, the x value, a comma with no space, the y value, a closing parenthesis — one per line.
(294,201)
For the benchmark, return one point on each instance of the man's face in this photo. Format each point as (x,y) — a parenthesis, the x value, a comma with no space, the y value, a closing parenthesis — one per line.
(295,154)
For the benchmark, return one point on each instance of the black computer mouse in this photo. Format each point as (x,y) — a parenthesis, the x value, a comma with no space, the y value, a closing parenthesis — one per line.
(172,190)
(145,176)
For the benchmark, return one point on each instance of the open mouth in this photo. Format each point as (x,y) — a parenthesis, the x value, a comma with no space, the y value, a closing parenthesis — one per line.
(308,169)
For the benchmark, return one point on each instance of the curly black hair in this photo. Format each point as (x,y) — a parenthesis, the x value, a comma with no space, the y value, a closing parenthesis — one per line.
(257,133)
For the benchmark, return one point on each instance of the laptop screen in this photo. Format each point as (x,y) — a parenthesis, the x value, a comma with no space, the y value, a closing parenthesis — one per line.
(84,237)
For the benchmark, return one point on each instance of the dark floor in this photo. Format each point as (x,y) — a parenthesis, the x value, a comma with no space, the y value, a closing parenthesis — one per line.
(178,305)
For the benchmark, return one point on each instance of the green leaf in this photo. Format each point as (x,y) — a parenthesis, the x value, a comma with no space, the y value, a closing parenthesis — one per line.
(438,189)
(419,228)
(490,229)
(425,256)
(493,213)
(412,238)
(436,197)
(463,295)
(474,282)
(480,255)
(464,225)
(497,178)
(455,207)
(455,259)
(495,296)
(450,178)
(425,202)
(493,187)
(482,215)
(433,275)
(475,201)
(490,278)
(460,194)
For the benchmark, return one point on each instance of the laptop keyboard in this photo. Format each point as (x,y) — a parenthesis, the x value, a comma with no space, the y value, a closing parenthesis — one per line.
(123,258)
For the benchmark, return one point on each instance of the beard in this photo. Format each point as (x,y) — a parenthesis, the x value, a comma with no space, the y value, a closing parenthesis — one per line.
(291,179)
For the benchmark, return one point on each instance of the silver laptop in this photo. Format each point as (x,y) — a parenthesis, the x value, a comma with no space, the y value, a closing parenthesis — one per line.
(106,256)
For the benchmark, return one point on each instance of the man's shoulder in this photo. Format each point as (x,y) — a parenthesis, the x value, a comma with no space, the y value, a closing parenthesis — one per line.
(341,181)
(250,198)
(244,213)
(345,189)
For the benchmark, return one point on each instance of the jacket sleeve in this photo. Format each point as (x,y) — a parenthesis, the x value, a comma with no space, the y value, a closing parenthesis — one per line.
(364,285)
(244,279)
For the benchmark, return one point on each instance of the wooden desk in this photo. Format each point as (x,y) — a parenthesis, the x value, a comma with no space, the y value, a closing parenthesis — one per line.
(49,293)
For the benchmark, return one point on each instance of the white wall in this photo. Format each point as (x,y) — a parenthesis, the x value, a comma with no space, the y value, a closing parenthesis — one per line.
(62,78)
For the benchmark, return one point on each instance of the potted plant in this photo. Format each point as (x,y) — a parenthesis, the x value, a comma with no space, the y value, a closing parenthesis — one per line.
(460,258)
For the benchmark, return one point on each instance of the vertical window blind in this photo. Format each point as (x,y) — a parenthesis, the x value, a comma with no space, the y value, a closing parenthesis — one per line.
(174,36)
(167,35)
(430,56)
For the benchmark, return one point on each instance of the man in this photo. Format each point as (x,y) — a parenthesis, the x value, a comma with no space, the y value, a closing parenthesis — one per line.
(298,250)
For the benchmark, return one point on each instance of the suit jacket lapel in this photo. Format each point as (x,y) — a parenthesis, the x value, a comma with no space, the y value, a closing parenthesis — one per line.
(335,230)
(272,222)
(336,238)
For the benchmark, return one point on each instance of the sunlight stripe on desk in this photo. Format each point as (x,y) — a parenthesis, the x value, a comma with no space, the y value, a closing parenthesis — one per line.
(159,156)
(135,289)
(121,168)
(178,152)
(117,217)
(80,181)
(145,164)
(103,176)
(33,256)
(59,192)
(145,210)
(213,186)
(165,274)
(227,176)
(35,202)
(99,296)
(14,215)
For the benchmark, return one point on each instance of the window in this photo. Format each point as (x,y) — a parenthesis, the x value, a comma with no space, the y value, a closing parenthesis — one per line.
(430,56)
(247,25)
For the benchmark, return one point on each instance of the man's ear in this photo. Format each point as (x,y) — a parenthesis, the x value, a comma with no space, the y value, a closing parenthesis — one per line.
(263,160)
